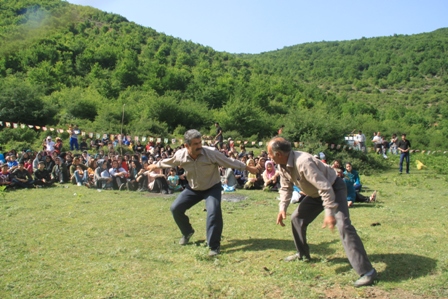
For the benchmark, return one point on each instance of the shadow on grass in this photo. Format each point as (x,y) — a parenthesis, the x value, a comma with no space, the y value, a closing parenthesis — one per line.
(285,245)
(399,266)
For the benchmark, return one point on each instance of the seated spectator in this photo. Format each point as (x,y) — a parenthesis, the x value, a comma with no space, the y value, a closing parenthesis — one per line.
(118,175)
(173,181)
(49,145)
(351,179)
(85,158)
(240,175)
(270,177)
(49,164)
(297,195)
(83,145)
(139,147)
(21,177)
(134,170)
(58,146)
(157,182)
(353,176)
(228,179)
(102,178)
(337,165)
(81,175)
(59,172)
(2,156)
(5,176)
(12,163)
(42,177)
(28,165)
(73,168)
(39,157)
(251,178)
(91,173)
(142,178)
(182,177)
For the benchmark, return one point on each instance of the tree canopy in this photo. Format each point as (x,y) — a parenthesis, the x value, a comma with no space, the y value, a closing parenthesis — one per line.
(62,63)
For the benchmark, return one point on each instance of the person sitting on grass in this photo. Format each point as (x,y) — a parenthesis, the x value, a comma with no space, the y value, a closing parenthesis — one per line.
(59,172)
(81,176)
(119,175)
(73,168)
(5,176)
(21,177)
(42,177)
(173,181)
(270,177)
(351,179)
(251,177)
(102,178)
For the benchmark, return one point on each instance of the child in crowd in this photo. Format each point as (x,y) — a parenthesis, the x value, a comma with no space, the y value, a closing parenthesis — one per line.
(173,181)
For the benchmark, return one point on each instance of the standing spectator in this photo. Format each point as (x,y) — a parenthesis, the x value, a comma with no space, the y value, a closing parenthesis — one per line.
(219,139)
(393,144)
(404,146)
(73,131)
(360,141)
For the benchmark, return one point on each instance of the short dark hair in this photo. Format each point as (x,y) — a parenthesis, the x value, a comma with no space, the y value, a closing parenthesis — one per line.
(404,134)
(279,144)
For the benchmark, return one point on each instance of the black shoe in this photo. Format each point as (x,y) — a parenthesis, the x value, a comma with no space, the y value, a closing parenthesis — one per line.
(367,279)
(185,239)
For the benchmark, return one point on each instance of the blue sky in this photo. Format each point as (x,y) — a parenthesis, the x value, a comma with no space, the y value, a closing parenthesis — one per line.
(255,26)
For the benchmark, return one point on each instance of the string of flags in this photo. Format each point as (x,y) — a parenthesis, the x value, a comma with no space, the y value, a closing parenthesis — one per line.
(206,139)
(112,137)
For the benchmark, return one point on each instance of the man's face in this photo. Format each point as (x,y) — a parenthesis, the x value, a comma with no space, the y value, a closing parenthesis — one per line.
(403,137)
(4,168)
(272,156)
(115,164)
(195,147)
(41,166)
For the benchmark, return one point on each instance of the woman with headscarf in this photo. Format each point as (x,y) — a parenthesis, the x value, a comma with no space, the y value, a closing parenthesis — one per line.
(270,177)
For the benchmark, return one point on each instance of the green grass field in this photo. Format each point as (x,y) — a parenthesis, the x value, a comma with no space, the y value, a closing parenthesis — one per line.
(80,243)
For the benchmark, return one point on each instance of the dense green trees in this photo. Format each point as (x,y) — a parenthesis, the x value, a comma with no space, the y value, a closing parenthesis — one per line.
(62,63)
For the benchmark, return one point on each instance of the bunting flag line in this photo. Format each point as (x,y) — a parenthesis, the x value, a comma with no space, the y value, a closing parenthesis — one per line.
(206,139)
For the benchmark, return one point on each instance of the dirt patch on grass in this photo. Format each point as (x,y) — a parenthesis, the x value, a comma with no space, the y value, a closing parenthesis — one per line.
(338,292)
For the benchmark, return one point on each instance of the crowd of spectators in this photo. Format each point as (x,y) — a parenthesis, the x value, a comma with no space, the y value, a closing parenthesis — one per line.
(124,167)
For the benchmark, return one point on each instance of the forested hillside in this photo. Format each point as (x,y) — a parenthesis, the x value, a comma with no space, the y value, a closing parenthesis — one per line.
(62,63)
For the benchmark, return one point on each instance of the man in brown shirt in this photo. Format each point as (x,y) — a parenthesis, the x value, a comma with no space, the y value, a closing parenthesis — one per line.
(325,191)
(201,165)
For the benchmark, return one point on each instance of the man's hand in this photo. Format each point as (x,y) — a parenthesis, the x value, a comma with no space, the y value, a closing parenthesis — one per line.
(281,215)
(151,167)
(252,169)
(329,221)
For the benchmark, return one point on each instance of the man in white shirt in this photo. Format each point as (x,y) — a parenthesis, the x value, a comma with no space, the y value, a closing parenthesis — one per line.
(360,141)
(119,174)
(49,144)
(378,142)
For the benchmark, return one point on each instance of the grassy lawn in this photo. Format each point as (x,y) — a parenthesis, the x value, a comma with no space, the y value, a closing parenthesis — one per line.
(80,243)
